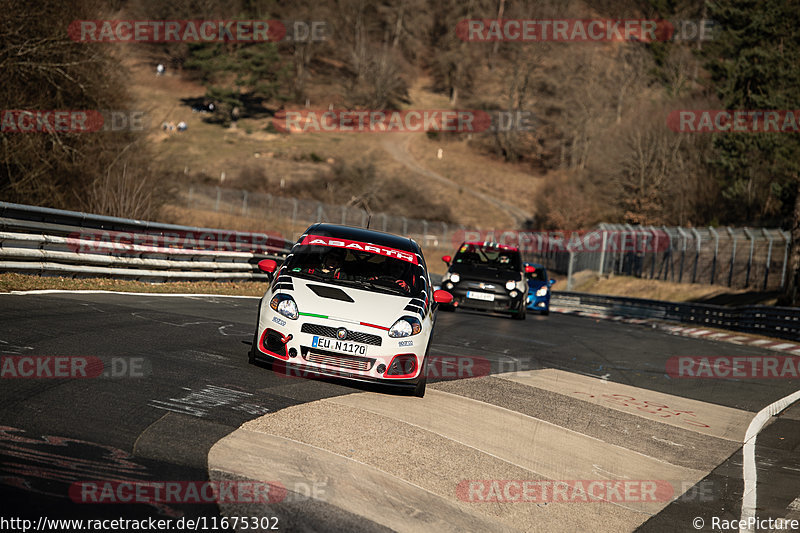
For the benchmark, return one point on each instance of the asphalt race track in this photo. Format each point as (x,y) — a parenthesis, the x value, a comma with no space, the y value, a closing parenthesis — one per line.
(549,399)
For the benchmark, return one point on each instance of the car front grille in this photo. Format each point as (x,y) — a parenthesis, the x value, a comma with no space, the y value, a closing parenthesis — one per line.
(328,331)
(334,360)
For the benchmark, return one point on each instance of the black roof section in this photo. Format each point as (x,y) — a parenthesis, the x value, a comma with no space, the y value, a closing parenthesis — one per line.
(365,235)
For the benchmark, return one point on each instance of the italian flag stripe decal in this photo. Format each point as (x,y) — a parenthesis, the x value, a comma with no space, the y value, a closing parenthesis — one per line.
(344,320)
(314,315)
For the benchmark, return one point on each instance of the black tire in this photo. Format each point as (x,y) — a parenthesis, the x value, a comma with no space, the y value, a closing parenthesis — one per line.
(419,390)
(251,356)
(446,308)
(546,312)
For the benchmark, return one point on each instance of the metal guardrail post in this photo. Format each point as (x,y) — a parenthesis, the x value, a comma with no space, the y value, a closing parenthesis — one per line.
(750,258)
(787,237)
(569,269)
(668,255)
(683,252)
(733,255)
(654,252)
(696,254)
(603,252)
(716,252)
(769,256)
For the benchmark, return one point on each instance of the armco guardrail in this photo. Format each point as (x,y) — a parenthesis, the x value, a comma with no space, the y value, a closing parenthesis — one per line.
(53,241)
(780,322)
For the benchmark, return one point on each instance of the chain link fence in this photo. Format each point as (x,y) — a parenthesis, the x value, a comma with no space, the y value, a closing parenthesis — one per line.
(291,216)
(755,258)
(740,258)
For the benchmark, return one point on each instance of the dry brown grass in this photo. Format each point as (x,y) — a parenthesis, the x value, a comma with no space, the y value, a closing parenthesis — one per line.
(25,282)
(655,289)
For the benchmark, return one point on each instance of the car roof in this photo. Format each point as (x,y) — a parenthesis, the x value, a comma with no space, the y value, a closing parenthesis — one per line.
(352,233)
(493,245)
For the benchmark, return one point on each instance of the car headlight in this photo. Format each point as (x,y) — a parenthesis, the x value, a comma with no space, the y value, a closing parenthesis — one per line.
(455,278)
(285,305)
(541,292)
(510,285)
(405,327)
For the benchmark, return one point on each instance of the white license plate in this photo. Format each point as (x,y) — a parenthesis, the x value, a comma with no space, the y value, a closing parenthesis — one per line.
(338,346)
(485,296)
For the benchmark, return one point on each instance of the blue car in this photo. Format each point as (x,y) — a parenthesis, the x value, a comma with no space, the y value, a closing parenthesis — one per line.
(538,288)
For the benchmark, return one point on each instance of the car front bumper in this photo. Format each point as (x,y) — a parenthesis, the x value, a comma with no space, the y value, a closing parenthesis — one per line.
(307,347)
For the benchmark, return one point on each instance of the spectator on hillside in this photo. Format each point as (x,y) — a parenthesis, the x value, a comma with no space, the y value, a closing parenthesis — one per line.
(160,70)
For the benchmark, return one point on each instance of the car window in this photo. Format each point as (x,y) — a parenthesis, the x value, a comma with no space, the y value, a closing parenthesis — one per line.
(539,275)
(356,268)
(488,256)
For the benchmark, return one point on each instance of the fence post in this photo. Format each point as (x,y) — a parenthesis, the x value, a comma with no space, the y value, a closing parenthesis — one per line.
(385,220)
(424,228)
(787,237)
(733,254)
(654,252)
(344,215)
(696,254)
(716,251)
(668,255)
(603,252)
(189,201)
(405,226)
(750,259)
(683,252)
(294,213)
(219,195)
(569,269)
(319,211)
(769,256)
(244,203)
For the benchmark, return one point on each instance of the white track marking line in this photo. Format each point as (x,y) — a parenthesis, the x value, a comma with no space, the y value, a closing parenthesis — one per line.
(180,295)
(749,452)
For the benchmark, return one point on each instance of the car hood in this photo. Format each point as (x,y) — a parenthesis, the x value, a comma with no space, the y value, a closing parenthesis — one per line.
(468,272)
(535,284)
(348,303)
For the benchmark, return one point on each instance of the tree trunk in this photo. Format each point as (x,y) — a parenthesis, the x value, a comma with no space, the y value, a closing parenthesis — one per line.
(791,295)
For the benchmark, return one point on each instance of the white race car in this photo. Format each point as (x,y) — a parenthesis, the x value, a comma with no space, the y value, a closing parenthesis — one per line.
(351,303)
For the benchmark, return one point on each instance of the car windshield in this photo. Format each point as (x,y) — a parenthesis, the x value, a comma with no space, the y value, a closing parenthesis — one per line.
(355,268)
(538,275)
(488,256)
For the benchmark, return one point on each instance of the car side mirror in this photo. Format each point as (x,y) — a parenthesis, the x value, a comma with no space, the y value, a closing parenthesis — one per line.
(442,297)
(551,282)
(447,259)
(267,265)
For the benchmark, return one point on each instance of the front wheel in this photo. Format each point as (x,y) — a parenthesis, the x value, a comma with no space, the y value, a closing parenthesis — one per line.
(419,390)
